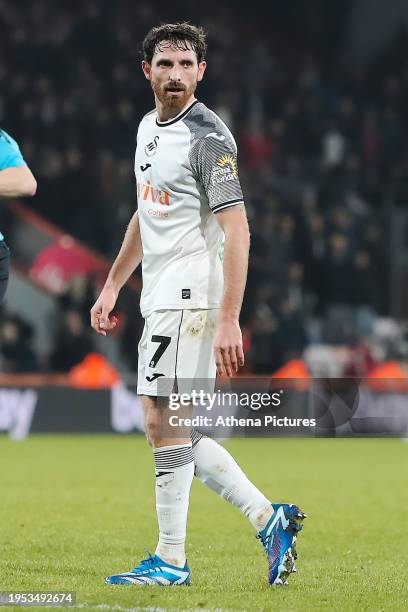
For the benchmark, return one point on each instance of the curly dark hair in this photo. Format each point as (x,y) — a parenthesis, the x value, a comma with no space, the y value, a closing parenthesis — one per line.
(183,36)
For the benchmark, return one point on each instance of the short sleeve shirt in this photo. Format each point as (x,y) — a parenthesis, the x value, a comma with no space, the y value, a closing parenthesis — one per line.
(186,172)
(10,154)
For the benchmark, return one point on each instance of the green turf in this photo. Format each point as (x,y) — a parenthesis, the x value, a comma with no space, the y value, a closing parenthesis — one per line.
(74,509)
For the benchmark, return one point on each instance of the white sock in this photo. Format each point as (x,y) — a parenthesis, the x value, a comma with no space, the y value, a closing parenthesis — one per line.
(174,475)
(217,469)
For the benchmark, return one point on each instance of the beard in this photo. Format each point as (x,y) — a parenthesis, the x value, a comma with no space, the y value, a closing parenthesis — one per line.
(169,99)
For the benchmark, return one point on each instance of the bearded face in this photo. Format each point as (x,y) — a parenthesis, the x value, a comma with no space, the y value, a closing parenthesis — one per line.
(174,74)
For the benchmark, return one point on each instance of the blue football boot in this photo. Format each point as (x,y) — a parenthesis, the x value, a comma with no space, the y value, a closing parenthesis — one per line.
(279,541)
(153,571)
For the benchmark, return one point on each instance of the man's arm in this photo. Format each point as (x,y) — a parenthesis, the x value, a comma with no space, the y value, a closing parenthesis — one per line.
(129,257)
(228,338)
(17,182)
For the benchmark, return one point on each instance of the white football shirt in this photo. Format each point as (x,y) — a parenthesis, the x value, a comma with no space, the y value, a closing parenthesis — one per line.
(186,170)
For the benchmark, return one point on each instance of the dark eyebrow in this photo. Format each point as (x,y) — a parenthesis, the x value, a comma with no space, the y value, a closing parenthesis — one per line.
(167,62)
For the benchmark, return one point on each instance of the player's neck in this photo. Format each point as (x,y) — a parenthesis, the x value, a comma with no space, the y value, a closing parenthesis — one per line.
(165,113)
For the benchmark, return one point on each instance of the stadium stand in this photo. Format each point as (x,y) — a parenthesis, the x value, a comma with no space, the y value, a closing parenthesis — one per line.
(322,151)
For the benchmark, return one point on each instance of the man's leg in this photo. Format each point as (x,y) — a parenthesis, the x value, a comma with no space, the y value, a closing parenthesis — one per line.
(173,455)
(277,524)
(4,268)
(217,469)
(174,465)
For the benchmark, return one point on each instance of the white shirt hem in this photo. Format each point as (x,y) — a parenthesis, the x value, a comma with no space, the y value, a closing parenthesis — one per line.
(190,306)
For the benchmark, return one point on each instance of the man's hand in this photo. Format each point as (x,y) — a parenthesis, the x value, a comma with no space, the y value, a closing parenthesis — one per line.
(101,319)
(228,351)
(129,257)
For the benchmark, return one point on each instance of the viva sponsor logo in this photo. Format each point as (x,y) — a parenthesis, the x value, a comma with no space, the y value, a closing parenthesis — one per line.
(149,193)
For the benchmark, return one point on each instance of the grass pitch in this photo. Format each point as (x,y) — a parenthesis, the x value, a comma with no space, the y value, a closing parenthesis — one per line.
(75,509)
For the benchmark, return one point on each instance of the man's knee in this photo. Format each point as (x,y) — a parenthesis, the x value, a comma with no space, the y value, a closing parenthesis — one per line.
(151,419)
(152,428)
(158,428)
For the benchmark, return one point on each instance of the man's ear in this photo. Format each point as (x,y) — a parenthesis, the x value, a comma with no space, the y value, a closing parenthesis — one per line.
(147,69)
(201,69)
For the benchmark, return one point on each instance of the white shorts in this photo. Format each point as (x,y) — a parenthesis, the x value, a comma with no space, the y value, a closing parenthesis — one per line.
(177,347)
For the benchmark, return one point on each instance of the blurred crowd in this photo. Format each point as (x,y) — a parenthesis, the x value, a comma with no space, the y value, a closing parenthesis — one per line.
(321,142)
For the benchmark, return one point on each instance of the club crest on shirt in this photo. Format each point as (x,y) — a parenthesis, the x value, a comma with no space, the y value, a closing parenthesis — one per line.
(151,147)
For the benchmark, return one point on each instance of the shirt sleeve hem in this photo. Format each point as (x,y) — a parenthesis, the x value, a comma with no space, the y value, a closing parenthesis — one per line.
(219,207)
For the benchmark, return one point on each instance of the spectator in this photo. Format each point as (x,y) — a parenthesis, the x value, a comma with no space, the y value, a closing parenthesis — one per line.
(321,143)
(72,342)
(16,353)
